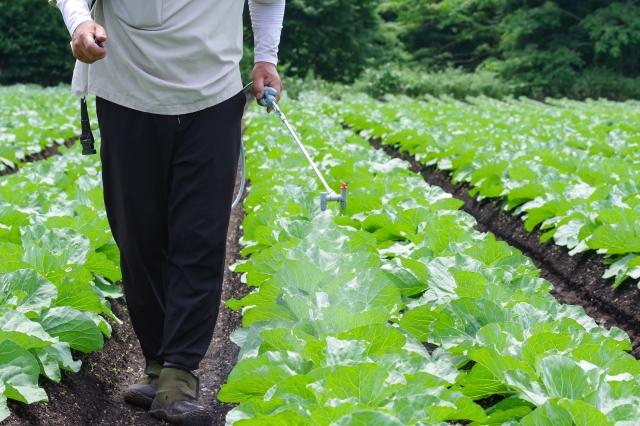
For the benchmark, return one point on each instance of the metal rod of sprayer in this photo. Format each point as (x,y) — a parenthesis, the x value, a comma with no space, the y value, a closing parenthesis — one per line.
(282,117)
(302,148)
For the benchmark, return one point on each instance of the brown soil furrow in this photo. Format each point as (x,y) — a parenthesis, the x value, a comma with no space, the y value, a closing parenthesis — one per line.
(42,155)
(577,279)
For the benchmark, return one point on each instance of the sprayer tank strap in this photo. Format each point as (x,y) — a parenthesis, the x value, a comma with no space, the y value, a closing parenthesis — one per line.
(86,137)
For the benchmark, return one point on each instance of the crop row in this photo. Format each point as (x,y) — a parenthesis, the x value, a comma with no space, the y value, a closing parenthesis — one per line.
(32,119)
(396,311)
(59,261)
(571,167)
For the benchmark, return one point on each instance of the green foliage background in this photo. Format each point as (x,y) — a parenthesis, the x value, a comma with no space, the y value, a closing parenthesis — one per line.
(585,48)
(553,47)
(34,44)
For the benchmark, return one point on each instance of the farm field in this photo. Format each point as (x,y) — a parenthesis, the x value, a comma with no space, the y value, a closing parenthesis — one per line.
(572,168)
(393,312)
(332,331)
(33,121)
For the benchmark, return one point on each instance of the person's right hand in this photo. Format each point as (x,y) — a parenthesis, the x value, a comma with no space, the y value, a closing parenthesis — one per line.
(83,44)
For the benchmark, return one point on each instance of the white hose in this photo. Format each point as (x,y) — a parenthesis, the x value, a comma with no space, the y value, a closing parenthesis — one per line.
(242,179)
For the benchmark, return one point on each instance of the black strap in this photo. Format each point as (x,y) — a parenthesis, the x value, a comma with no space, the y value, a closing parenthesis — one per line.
(86,138)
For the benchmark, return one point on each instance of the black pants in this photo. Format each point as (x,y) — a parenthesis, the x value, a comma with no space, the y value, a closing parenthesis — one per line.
(168,187)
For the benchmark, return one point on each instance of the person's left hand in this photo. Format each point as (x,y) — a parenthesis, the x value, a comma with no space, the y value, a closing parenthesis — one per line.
(265,74)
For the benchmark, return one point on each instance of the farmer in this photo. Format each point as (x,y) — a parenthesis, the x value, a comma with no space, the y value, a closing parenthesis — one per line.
(169,106)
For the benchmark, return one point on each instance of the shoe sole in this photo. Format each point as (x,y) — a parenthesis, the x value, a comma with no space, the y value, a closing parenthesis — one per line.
(137,398)
(192,418)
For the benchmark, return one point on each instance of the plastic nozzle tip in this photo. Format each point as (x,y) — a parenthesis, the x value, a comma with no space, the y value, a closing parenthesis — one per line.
(344,186)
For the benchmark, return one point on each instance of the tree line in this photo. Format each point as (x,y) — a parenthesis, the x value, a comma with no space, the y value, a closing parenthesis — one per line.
(540,47)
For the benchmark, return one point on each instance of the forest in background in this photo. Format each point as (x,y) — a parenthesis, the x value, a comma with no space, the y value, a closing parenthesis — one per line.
(573,48)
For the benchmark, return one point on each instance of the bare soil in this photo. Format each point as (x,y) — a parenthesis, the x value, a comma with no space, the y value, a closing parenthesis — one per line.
(577,279)
(42,155)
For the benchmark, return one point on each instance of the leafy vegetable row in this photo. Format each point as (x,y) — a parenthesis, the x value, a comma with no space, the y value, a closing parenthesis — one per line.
(59,261)
(571,167)
(33,118)
(398,312)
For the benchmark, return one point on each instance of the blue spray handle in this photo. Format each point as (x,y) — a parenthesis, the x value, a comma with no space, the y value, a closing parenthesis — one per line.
(269,96)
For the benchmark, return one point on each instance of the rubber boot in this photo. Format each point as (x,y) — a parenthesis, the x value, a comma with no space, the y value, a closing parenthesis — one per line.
(143,392)
(178,389)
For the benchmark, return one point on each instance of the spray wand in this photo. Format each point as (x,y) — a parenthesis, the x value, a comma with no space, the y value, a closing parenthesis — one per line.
(269,100)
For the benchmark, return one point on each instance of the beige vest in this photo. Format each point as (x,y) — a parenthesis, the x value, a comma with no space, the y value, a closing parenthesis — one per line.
(166,56)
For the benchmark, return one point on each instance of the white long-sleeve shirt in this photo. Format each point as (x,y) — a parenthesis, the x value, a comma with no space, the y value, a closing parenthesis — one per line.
(171,57)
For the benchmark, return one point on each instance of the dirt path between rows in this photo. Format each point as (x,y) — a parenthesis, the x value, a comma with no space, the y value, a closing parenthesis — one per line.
(42,155)
(577,279)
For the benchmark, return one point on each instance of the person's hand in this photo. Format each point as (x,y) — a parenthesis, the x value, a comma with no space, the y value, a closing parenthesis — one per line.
(83,44)
(265,74)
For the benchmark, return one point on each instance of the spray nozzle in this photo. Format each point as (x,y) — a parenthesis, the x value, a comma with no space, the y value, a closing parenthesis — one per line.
(325,197)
